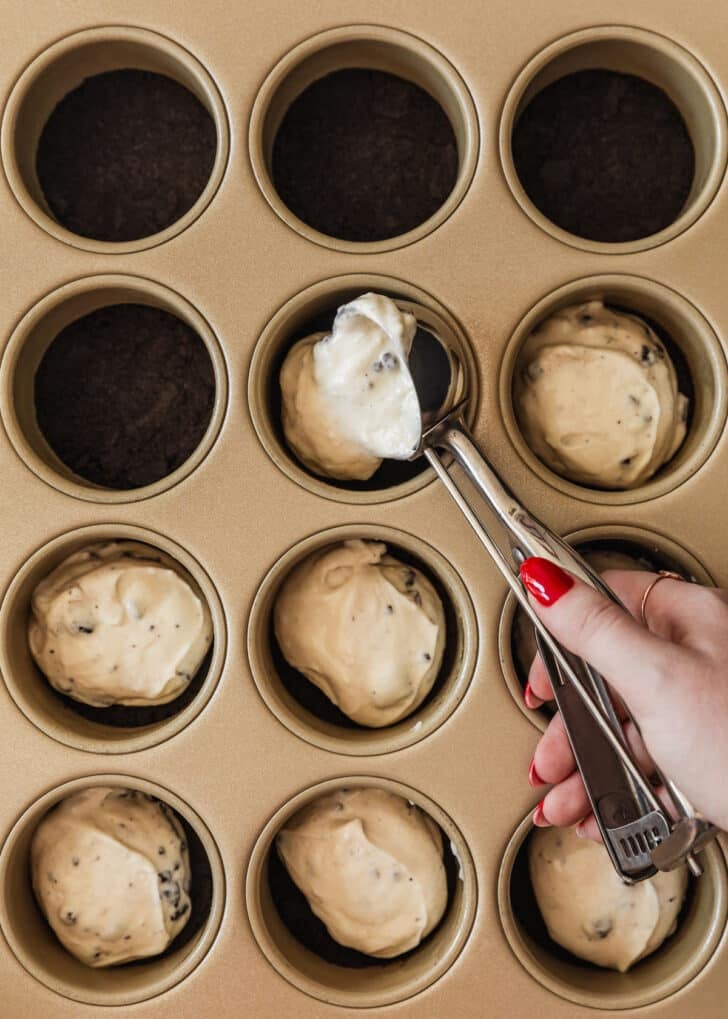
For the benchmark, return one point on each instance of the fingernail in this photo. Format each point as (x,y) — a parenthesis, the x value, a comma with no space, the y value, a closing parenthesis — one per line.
(534,778)
(532,701)
(538,819)
(579,829)
(546,581)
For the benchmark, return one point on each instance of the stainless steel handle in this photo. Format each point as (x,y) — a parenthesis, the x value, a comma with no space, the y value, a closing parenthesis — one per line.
(631,818)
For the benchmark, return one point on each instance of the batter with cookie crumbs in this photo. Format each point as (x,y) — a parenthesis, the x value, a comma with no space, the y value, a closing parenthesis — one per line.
(111,873)
(587,908)
(365,628)
(349,400)
(370,864)
(596,396)
(119,623)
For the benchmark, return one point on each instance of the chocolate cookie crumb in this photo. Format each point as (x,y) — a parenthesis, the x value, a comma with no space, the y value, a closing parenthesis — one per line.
(364,155)
(124,395)
(125,155)
(604,155)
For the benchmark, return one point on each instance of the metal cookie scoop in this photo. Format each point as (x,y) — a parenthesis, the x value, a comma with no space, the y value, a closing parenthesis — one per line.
(640,835)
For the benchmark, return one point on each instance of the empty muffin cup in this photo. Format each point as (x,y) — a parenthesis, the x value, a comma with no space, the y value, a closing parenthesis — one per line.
(115,729)
(658,62)
(440,361)
(354,980)
(36,947)
(679,960)
(146,444)
(336,83)
(149,73)
(691,345)
(306,710)
(649,551)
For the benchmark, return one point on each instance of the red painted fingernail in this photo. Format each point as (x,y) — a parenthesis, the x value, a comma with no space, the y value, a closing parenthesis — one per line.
(538,819)
(534,778)
(546,581)
(532,701)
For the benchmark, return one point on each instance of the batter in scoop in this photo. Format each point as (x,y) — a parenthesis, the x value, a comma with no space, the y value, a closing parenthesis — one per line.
(366,628)
(587,908)
(596,397)
(348,397)
(119,623)
(371,867)
(111,874)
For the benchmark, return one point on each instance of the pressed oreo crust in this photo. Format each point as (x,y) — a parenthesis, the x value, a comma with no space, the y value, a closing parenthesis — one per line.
(604,155)
(124,395)
(125,155)
(364,155)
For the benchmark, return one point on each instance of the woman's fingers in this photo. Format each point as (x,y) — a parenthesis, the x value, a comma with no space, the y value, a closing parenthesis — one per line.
(629,586)
(538,688)
(589,829)
(593,627)
(553,760)
(563,805)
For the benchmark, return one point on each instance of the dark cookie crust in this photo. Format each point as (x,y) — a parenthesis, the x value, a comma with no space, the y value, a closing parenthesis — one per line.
(364,155)
(125,155)
(604,155)
(124,395)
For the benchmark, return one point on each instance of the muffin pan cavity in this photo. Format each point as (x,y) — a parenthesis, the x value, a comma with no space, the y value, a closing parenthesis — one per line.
(694,349)
(38,950)
(181,415)
(441,363)
(670,76)
(651,550)
(129,111)
(678,961)
(396,178)
(115,729)
(354,980)
(305,710)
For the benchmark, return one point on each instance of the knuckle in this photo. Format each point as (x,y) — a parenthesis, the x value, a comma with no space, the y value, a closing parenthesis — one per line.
(599,623)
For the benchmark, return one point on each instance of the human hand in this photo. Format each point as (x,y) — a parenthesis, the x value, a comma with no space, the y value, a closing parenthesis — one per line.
(672,676)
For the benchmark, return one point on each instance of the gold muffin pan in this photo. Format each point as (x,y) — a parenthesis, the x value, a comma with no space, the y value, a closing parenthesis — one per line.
(249,277)
(59,69)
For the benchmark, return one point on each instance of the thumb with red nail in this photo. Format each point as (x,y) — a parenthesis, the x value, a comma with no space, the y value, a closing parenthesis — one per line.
(666,656)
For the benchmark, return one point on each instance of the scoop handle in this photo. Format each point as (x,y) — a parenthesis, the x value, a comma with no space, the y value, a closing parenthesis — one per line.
(630,817)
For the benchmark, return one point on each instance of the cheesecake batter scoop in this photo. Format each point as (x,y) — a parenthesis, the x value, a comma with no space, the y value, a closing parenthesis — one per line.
(111,873)
(596,397)
(589,911)
(365,628)
(371,867)
(118,623)
(348,398)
